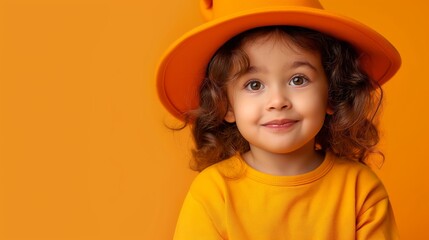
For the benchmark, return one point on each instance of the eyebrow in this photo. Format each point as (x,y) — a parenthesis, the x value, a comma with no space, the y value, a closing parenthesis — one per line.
(297,64)
(252,69)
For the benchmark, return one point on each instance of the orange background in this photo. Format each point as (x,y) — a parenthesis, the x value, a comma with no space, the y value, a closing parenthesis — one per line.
(84,153)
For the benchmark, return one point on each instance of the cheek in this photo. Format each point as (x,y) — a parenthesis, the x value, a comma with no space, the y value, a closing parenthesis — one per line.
(315,106)
(311,110)
(244,111)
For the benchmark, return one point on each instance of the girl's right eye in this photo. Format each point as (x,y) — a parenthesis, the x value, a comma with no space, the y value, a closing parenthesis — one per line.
(254,85)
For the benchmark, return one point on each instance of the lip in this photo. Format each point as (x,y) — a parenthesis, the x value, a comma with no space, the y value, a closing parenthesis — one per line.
(280,123)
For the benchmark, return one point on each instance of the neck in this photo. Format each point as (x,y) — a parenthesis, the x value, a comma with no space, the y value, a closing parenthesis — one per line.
(285,164)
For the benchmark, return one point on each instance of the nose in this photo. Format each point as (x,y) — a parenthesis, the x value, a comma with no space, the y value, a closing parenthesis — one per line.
(278,100)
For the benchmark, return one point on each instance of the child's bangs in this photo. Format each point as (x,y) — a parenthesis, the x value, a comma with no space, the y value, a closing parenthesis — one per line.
(240,64)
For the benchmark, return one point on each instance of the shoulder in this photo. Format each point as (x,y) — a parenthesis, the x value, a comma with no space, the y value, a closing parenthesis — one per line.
(367,186)
(214,179)
(354,169)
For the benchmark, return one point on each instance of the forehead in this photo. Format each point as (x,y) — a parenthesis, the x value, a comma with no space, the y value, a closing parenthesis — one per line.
(248,42)
(296,42)
(265,47)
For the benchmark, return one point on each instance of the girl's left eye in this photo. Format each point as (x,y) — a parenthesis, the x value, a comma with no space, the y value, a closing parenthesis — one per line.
(298,81)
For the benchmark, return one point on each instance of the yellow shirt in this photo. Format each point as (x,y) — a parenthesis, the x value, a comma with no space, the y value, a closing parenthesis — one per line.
(341,199)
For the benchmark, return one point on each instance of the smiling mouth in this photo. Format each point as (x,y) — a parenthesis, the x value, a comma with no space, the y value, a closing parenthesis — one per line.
(284,123)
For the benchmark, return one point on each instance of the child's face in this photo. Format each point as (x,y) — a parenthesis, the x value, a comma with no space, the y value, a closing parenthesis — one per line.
(279,105)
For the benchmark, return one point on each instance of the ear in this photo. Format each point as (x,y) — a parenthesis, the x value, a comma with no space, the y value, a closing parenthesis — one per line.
(329,110)
(229,116)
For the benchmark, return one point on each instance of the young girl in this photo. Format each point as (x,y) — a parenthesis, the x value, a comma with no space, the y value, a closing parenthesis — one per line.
(283,122)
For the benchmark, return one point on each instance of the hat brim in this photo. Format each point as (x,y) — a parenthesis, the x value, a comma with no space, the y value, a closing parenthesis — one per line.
(183,66)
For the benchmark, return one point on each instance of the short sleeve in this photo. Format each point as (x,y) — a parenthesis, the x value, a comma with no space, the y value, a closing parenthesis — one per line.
(194,222)
(377,222)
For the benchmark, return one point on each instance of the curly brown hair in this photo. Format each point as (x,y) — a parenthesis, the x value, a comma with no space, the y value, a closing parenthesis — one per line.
(350,132)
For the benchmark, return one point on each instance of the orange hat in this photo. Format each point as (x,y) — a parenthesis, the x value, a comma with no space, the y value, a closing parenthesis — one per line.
(184,64)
